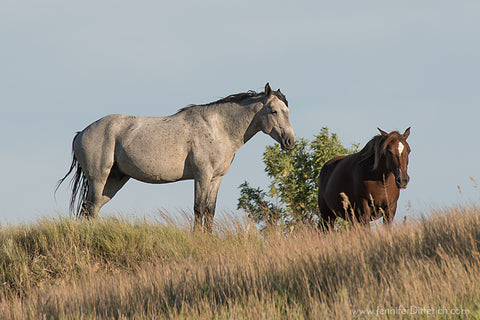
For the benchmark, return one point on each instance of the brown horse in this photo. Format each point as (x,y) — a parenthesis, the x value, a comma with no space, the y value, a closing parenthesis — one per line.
(365,186)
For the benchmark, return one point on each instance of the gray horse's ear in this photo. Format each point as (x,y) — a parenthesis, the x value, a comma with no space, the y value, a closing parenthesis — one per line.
(268,90)
(406,133)
(383,133)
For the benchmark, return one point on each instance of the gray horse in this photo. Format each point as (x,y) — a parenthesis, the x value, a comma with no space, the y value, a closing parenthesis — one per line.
(198,142)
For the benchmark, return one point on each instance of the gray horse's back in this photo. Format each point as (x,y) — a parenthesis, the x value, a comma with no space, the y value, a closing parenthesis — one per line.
(148,149)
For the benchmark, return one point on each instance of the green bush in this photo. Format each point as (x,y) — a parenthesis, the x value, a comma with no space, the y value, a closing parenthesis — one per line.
(292,196)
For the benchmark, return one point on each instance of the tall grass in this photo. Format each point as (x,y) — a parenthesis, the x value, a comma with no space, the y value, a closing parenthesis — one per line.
(118,269)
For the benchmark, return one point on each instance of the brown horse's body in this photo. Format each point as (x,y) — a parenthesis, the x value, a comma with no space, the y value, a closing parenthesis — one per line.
(365,186)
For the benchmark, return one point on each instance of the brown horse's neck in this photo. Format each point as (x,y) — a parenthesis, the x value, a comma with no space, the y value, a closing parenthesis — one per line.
(380,173)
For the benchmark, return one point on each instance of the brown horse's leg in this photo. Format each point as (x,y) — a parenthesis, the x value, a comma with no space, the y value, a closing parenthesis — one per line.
(364,212)
(389,214)
(327,223)
(328,217)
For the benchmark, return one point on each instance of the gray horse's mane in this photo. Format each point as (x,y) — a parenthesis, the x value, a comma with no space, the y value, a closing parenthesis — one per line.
(237,98)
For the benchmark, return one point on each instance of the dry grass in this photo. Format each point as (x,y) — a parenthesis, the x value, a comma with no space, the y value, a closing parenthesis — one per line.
(115,269)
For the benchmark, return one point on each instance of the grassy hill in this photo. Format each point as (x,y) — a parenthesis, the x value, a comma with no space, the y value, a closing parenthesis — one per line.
(119,269)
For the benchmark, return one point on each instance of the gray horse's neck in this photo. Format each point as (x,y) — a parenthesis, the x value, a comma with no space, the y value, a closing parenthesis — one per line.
(239,120)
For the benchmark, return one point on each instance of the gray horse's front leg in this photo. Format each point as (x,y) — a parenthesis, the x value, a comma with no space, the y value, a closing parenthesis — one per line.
(197,222)
(206,191)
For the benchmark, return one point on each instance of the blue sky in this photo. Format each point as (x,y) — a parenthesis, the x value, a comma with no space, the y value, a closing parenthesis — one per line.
(352,66)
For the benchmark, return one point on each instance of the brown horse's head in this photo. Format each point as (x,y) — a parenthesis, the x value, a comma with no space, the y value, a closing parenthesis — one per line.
(395,150)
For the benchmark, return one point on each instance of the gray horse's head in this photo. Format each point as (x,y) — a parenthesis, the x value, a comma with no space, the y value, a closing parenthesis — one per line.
(273,119)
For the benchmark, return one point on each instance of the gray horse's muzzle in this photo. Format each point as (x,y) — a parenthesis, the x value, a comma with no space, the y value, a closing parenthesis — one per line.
(288,142)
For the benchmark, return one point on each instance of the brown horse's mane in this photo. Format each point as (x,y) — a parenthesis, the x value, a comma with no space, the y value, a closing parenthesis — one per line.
(237,98)
(377,147)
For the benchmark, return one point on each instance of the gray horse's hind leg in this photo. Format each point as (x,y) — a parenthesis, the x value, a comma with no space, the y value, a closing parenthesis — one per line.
(116,180)
(94,149)
(206,191)
(101,192)
(94,200)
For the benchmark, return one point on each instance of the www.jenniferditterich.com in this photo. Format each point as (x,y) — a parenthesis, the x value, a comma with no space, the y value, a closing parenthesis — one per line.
(411,310)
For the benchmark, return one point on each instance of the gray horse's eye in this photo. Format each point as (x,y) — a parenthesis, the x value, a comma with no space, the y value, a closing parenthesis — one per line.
(273,112)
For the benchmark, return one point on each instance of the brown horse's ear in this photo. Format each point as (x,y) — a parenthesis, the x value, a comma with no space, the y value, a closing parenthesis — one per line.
(383,132)
(406,133)
(268,90)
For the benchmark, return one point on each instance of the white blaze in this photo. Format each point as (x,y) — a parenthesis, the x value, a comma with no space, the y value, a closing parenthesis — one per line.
(400,147)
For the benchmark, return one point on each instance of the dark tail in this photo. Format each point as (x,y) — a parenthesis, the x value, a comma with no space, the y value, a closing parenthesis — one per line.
(79,184)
